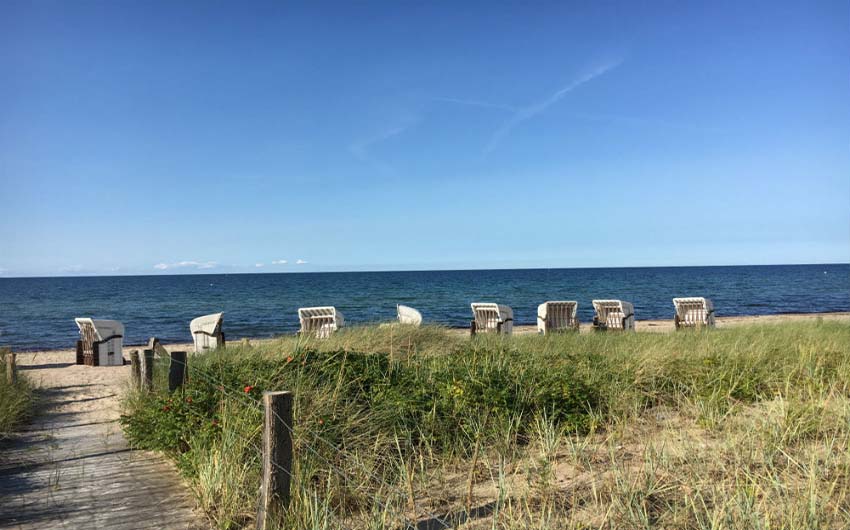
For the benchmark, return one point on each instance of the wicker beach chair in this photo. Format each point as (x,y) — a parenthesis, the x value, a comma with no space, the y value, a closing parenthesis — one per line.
(207,333)
(693,312)
(408,315)
(613,314)
(319,322)
(101,342)
(557,316)
(492,318)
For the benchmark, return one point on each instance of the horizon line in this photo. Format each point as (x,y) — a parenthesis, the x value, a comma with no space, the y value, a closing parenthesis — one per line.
(197,273)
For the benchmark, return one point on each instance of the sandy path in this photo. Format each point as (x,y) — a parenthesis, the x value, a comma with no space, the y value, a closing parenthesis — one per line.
(72,468)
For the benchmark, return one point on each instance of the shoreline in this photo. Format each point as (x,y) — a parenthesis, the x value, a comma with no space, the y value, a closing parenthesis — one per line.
(641,326)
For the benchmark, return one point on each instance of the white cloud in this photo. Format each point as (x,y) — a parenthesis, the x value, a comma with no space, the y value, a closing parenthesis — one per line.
(258,265)
(300,262)
(184,264)
(279,262)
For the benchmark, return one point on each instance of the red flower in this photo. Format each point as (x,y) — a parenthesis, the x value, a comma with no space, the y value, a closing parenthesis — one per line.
(248,389)
(289,359)
(321,421)
(188,400)
(166,408)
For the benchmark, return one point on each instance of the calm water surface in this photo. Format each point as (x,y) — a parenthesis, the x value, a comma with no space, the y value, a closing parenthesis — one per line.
(37,313)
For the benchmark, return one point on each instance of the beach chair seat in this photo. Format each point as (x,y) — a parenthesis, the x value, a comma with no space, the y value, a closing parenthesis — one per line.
(492,318)
(207,333)
(613,314)
(319,322)
(557,316)
(101,342)
(693,312)
(408,315)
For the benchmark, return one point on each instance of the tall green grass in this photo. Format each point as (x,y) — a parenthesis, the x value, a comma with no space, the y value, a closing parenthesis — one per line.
(15,400)
(728,428)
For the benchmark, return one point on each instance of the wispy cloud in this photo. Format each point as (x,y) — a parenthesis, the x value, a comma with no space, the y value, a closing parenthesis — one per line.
(185,264)
(279,262)
(524,113)
(476,103)
(259,265)
(300,262)
(361,149)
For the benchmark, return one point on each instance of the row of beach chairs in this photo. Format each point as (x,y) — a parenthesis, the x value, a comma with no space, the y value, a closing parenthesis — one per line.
(101,341)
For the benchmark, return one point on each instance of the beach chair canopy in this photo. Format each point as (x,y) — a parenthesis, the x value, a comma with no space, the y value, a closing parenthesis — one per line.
(206,331)
(101,341)
(492,318)
(320,321)
(614,314)
(693,312)
(408,315)
(557,316)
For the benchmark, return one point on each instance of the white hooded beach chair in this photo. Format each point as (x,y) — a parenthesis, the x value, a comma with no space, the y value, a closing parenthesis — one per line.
(101,342)
(207,333)
(693,312)
(492,318)
(408,315)
(557,316)
(320,321)
(613,314)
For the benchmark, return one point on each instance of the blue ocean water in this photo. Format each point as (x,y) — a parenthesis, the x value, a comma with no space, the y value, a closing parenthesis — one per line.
(38,313)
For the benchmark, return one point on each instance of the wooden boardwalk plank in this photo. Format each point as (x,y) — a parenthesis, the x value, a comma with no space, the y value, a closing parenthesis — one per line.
(72,468)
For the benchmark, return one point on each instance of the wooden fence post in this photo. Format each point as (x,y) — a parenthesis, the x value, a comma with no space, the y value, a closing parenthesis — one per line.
(177,370)
(11,369)
(277,458)
(147,379)
(135,369)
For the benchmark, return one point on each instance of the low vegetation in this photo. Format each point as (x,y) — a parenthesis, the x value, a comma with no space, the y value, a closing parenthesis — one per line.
(395,426)
(15,400)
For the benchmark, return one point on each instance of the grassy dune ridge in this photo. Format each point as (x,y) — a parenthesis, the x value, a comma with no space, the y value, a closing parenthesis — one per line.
(728,428)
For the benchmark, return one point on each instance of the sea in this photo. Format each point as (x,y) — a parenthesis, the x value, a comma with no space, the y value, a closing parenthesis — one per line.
(38,313)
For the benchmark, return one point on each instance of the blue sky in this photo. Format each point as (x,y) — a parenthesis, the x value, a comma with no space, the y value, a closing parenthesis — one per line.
(158,138)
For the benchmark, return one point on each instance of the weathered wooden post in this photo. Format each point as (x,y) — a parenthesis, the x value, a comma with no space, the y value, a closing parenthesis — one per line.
(277,457)
(147,367)
(177,370)
(135,369)
(11,369)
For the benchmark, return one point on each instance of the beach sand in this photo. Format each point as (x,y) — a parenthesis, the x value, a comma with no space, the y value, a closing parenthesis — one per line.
(666,326)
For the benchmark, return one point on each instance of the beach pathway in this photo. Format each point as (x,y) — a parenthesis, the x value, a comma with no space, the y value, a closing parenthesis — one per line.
(72,468)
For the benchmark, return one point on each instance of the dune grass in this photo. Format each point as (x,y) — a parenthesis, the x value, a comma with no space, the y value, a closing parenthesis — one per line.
(15,400)
(746,427)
